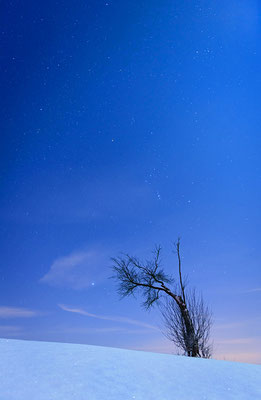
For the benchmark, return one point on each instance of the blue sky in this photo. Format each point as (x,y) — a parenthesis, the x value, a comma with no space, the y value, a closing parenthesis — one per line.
(125,125)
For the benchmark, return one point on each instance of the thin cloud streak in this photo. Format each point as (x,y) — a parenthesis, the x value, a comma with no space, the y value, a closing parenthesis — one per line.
(16,312)
(107,318)
(237,324)
(245,357)
(10,329)
(253,290)
(230,325)
(235,341)
(77,270)
(105,330)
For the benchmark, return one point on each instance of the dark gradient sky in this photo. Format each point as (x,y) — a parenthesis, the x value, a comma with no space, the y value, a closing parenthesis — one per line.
(126,124)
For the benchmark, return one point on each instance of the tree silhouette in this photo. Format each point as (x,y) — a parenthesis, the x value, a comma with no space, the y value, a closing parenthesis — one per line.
(187,319)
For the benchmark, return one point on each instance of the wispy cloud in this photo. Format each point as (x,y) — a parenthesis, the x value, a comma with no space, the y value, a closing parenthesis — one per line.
(253,290)
(230,325)
(107,318)
(116,330)
(78,270)
(253,357)
(15,312)
(235,325)
(10,330)
(248,340)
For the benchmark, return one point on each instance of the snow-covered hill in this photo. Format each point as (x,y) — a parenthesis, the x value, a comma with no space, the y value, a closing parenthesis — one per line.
(57,371)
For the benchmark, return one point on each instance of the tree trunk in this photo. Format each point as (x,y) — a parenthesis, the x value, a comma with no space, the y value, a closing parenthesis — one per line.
(191,341)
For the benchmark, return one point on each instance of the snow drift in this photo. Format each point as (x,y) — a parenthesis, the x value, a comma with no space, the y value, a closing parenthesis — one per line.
(58,371)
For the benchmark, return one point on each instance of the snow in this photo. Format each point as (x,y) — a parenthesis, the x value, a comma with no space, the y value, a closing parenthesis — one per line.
(59,371)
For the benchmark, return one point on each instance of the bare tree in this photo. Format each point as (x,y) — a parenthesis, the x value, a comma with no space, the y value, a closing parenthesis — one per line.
(187,320)
(201,321)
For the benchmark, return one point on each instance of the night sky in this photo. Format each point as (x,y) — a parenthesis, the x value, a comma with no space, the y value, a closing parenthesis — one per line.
(126,124)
